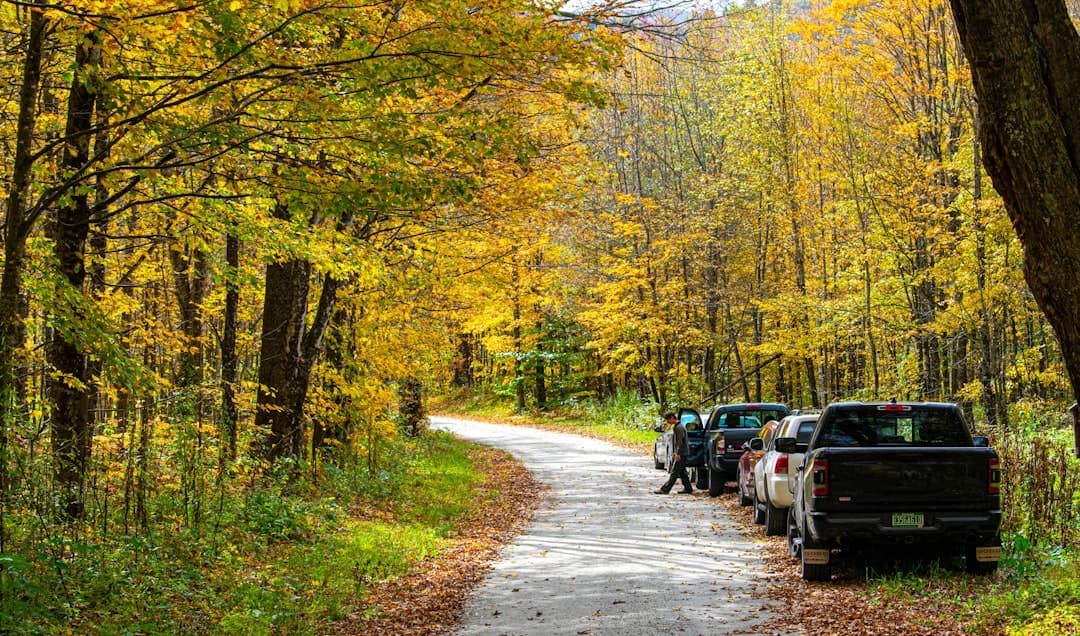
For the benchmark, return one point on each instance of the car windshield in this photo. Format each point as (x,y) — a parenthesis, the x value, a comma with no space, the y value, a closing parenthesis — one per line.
(906,426)
(755,418)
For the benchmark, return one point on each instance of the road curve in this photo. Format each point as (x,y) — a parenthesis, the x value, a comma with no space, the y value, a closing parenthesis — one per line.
(604,555)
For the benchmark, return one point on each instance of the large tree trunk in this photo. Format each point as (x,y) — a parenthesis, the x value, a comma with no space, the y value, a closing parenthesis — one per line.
(288,352)
(69,387)
(463,362)
(1023,56)
(16,224)
(284,308)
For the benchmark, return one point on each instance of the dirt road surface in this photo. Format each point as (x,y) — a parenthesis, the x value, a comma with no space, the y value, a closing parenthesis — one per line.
(605,556)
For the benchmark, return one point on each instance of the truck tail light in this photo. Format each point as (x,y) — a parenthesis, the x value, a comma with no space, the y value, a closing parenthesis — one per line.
(721,444)
(781,465)
(820,476)
(993,483)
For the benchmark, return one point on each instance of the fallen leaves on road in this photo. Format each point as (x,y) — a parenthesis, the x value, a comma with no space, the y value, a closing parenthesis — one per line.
(430,600)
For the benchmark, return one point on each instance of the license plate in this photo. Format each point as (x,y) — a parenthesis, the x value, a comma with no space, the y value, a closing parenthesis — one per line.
(988,553)
(907,520)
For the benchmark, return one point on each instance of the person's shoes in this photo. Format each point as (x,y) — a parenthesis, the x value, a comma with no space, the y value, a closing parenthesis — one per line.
(686,492)
(660,492)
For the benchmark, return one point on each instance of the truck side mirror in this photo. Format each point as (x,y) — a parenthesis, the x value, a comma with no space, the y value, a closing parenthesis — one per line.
(757,444)
(981,440)
(784,444)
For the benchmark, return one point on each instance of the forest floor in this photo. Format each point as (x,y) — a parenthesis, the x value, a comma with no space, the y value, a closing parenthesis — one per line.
(431,600)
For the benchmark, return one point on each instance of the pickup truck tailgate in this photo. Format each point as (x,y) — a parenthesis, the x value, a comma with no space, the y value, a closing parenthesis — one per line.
(921,478)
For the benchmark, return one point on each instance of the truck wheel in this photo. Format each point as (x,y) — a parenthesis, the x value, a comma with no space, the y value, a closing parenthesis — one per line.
(702,478)
(794,541)
(975,566)
(658,464)
(716,482)
(775,519)
(744,499)
(814,571)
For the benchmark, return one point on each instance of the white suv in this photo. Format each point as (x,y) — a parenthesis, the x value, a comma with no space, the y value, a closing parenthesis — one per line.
(774,473)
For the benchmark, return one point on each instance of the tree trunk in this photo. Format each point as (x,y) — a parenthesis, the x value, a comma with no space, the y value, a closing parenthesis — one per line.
(285,306)
(711,275)
(540,381)
(411,406)
(463,363)
(519,345)
(1023,57)
(190,279)
(16,224)
(288,352)
(69,387)
(230,412)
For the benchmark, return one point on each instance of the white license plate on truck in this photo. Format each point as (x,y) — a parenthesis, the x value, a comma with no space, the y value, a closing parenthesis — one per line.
(907,520)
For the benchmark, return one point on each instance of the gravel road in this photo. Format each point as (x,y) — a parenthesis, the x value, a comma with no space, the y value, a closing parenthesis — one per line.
(605,556)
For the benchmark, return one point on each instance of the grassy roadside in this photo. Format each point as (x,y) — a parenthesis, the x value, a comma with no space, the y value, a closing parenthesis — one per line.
(292,556)
(1035,592)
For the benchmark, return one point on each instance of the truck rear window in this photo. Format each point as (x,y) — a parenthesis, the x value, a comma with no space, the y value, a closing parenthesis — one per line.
(915,427)
(749,419)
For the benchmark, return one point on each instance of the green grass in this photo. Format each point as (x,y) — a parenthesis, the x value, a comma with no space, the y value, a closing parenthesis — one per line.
(282,556)
(1039,592)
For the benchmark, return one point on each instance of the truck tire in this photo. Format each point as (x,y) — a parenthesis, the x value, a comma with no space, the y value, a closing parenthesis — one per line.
(658,464)
(975,566)
(759,513)
(744,499)
(716,482)
(775,519)
(794,541)
(702,478)
(814,571)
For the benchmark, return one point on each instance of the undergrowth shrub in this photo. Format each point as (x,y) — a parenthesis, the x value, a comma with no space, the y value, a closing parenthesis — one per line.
(1040,478)
(235,551)
(625,410)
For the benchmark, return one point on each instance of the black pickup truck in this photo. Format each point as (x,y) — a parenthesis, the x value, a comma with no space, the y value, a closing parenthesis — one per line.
(894,475)
(727,428)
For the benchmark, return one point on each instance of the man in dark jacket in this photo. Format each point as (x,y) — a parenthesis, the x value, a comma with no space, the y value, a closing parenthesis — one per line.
(681,449)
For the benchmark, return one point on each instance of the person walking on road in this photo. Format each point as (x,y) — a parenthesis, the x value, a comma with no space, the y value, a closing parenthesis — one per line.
(680,449)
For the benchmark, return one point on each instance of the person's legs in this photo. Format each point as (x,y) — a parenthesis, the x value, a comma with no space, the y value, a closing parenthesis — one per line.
(678,472)
(685,479)
(666,488)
